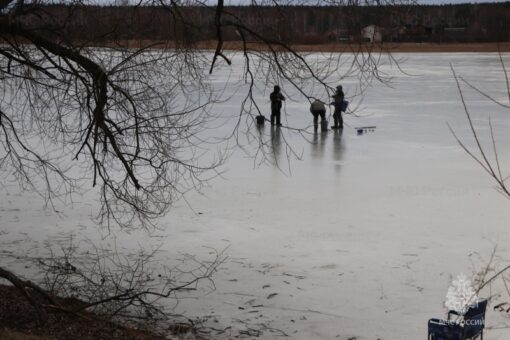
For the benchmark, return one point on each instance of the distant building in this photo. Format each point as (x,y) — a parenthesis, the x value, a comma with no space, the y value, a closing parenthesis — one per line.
(372,33)
(338,35)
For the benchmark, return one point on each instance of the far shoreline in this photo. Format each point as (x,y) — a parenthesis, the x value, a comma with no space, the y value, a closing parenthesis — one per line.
(325,48)
(409,47)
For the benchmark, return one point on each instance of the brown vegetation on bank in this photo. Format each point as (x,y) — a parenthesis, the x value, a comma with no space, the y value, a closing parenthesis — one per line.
(19,320)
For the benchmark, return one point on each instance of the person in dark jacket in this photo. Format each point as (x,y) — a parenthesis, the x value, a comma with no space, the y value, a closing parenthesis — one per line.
(317,109)
(338,99)
(276,105)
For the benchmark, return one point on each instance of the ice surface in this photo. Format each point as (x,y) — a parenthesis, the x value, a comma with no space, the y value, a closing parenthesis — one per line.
(360,236)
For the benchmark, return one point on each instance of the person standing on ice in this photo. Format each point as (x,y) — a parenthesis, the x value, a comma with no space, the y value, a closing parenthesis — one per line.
(276,104)
(338,102)
(317,109)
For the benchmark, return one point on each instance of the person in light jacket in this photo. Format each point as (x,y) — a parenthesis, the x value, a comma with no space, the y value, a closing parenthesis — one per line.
(317,109)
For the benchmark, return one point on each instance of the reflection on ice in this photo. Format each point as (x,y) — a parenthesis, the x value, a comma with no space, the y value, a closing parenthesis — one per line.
(276,143)
(338,147)
(318,144)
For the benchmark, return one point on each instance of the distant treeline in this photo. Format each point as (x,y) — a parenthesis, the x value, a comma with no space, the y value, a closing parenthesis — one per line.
(487,22)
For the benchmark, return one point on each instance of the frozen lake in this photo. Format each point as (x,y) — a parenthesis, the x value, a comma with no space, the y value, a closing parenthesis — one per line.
(359,237)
